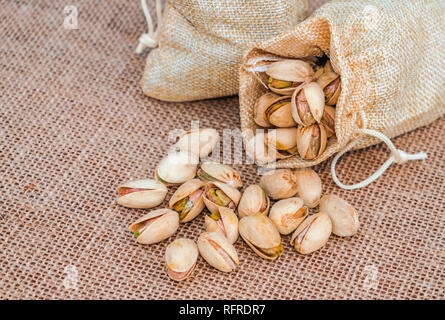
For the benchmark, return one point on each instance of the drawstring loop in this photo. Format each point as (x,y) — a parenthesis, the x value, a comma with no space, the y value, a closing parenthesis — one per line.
(397,156)
(150,39)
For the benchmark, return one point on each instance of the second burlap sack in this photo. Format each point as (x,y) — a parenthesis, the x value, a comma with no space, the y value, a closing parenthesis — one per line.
(390,58)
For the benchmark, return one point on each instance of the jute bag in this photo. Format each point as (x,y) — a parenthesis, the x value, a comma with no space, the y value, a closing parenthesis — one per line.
(390,58)
(201,43)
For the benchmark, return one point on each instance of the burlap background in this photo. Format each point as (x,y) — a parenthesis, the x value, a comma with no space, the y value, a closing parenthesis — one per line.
(75,124)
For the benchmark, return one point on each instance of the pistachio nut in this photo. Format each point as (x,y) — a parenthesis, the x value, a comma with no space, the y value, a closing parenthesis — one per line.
(311,141)
(180,258)
(328,120)
(141,194)
(344,218)
(217,251)
(279,184)
(318,71)
(253,200)
(260,233)
(309,187)
(328,67)
(225,222)
(287,75)
(330,82)
(200,141)
(219,194)
(155,226)
(283,141)
(187,201)
(217,172)
(272,109)
(257,149)
(177,167)
(307,104)
(312,233)
(287,214)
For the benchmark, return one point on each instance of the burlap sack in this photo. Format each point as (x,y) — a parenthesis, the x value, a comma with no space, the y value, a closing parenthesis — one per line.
(202,41)
(390,58)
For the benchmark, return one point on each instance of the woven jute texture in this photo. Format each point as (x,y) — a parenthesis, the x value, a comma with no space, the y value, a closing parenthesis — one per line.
(75,124)
(202,42)
(390,58)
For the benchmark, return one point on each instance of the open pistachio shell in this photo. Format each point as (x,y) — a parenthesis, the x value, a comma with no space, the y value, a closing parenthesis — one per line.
(287,75)
(328,67)
(283,141)
(155,226)
(330,82)
(187,201)
(225,222)
(271,109)
(259,110)
(180,258)
(253,200)
(311,141)
(309,187)
(217,251)
(287,214)
(217,172)
(257,149)
(177,167)
(279,184)
(307,104)
(328,120)
(200,142)
(312,234)
(259,232)
(141,194)
(344,218)
(219,194)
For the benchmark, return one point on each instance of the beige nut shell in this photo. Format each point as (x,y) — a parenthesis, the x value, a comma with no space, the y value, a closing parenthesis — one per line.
(180,258)
(227,225)
(165,223)
(231,192)
(221,173)
(279,184)
(185,190)
(153,195)
(345,222)
(199,141)
(252,201)
(222,257)
(312,234)
(287,214)
(177,167)
(309,186)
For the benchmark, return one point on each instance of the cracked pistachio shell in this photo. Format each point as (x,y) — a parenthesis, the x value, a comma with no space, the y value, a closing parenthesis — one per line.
(260,233)
(180,258)
(330,82)
(233,194)
(307,104)
(201,141)
(141,194)
(225,222)
(217,172)
(309,187)
(328,120)
(344,218)
(257,149)
(189,188)
(155,226)
(279,184)
(177,167)
(261,105)
(287,214)
(318,71)
(271,109)
(328,67)
(311,141)
(312,234)
(217,251)
(290,74)
(283,141)
(253,200)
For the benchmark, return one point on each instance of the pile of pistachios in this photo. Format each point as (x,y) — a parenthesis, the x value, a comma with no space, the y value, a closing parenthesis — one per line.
(216,186)
(299,109)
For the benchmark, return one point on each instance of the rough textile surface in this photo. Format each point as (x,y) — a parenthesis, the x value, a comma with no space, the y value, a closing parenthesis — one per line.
(202,42)
(75,124)
(390,58)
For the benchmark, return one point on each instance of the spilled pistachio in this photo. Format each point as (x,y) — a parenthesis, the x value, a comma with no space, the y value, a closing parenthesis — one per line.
(218,195)
(259,232)
(217,251)
(311,141)
(225,222)
(279,184)
(217,172)
(309,187)
(141,194)
(253,200)
(344,218)
(177,167)
(155,226)
(200,141)
(307,104)
(180,258)
(312,234)
(287,214)
(187,201)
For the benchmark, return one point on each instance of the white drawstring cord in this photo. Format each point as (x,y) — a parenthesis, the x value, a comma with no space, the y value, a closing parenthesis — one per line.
(398,156)
(150,39)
